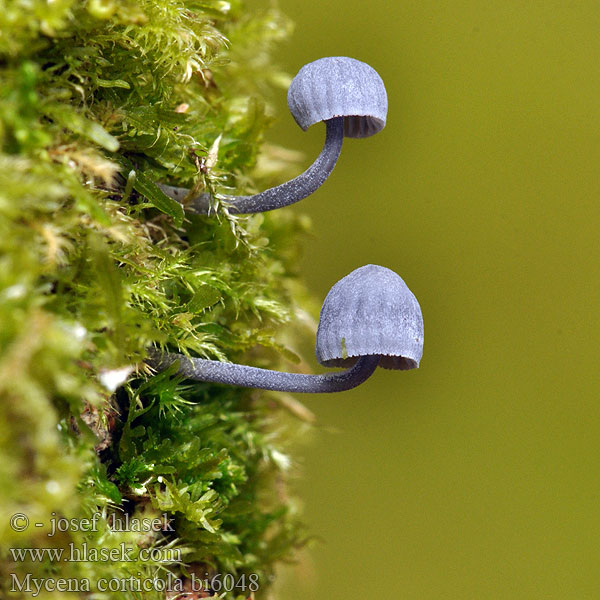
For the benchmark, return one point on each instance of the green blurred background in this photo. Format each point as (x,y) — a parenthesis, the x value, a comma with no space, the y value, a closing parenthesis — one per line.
(477,476)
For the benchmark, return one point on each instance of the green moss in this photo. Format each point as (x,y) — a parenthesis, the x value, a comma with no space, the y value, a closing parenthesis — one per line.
(98,100)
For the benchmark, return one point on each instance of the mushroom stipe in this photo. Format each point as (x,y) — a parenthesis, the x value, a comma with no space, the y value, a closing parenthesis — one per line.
(283,195)
(241,375)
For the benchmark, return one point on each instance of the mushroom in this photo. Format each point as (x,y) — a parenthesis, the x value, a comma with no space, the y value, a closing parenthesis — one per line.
(368,318)
(345,93)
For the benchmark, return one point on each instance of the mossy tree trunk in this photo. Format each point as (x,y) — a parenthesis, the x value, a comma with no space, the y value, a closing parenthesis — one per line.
(98,100)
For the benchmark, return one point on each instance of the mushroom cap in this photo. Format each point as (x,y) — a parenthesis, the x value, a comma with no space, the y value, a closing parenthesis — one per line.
(338,86)
(370,311)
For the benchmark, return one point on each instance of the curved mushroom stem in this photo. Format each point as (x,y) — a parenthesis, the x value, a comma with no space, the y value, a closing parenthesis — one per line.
(265,379)
(287,193)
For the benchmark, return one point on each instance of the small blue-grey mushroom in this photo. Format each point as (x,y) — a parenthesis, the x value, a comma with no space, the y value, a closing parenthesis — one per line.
(369,318)
(345,93)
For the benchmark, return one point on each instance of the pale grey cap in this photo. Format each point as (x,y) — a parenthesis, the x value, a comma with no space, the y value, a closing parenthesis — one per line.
(338,86)
(370,311)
